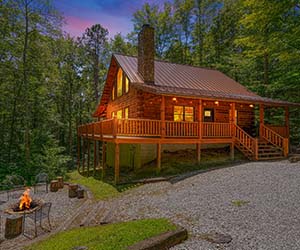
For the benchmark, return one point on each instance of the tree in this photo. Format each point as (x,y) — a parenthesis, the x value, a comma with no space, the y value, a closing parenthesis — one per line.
(94,41)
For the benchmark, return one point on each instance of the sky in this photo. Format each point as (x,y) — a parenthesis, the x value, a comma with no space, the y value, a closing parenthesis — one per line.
(114,15)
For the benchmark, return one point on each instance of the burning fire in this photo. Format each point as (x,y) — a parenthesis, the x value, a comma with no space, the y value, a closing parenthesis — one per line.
(25,200)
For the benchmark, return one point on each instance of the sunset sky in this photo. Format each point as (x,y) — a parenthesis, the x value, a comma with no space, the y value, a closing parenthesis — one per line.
(115,15)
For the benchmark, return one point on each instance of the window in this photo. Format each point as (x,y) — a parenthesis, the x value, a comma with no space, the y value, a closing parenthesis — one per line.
(208,115)
(189,114)
(183,113)
(178,113)
(126,111)
(126,84)
(120,82)
(119,114)
(112,114)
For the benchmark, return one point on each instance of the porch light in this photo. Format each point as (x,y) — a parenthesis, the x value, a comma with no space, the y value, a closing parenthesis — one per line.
(174,99)
(217,102)
(251,105)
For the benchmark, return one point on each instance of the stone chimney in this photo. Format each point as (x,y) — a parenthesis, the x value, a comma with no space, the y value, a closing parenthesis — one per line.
(146,53)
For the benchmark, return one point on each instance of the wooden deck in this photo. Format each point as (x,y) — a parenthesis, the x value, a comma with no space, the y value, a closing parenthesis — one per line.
(270,145)
(144,129)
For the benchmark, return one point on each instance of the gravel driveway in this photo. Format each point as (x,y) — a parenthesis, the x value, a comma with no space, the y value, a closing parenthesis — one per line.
(257,203)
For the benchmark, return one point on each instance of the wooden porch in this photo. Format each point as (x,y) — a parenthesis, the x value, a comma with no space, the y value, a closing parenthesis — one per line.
(272,140)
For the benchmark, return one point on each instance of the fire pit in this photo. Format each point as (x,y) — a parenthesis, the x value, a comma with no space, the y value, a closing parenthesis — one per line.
(26,204)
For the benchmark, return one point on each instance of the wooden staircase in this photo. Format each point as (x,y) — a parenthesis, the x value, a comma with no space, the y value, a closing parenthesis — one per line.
(271,146)
(267,151)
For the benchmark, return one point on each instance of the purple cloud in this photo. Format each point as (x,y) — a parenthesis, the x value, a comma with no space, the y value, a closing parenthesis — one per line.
(115,15)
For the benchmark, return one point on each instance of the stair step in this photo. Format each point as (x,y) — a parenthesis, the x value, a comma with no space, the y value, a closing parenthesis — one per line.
(271,158)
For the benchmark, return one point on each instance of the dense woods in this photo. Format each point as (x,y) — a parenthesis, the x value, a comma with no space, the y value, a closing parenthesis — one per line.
(51,82)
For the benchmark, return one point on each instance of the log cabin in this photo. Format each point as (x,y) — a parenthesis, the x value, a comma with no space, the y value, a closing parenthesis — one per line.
(149,105)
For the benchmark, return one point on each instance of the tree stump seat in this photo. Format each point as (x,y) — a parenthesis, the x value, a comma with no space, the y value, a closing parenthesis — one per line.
(54,186)
(73,190)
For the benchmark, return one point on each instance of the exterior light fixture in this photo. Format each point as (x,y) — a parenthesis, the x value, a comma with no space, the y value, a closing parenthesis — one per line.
(217,102)
(251,105)
(174,99)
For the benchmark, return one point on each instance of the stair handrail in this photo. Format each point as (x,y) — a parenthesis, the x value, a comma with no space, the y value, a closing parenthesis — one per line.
(246,140)
(272,137)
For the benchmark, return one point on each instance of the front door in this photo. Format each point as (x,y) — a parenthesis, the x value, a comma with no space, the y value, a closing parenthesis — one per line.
(208,115)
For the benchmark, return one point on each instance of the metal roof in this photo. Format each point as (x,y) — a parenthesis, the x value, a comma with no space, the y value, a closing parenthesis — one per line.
(186,80)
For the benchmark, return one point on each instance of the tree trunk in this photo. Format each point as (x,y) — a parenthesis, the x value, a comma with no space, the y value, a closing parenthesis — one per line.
(96,76)
(25,83)
(266,68)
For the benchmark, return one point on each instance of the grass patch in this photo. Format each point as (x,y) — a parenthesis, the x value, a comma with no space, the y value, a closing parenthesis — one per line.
(239,203)
(100,189)
(110,237)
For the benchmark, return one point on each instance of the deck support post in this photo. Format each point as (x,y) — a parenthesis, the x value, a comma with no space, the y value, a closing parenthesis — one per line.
(83,154)
(117,163)
(261,119)
(103,159)
(232,151)
(95,157)
(158,158)
(78,152)
(89,157)
(198,149)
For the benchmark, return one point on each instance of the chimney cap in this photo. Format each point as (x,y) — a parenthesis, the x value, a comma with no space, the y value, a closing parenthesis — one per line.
(146,25)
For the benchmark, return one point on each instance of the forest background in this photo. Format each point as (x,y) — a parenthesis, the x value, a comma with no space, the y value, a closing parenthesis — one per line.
(51,82)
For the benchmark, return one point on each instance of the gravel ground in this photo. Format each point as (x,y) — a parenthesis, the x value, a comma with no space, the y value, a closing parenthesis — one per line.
(265,214)
(62,208)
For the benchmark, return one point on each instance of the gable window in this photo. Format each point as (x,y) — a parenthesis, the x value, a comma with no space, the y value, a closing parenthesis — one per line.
(126,84)
(113,93)
(183,113)
(120,82)
(126,111)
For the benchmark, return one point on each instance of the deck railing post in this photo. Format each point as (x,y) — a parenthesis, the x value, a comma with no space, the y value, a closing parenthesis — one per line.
(200,115)
(285,147)
(115,127)
(255,149)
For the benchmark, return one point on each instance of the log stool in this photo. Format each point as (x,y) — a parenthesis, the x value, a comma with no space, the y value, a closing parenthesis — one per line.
(80,193)
(54,186)
(73,190)
(13,226)
(60,181)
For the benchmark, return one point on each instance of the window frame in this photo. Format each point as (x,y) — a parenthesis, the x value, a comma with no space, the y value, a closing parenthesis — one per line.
(184,113)
(119,82)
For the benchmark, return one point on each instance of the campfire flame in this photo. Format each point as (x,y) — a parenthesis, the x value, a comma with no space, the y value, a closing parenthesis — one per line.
(25,200)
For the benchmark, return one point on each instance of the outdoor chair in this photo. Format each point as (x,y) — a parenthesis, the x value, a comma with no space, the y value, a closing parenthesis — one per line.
(41,179)
(37,217)
(14,185)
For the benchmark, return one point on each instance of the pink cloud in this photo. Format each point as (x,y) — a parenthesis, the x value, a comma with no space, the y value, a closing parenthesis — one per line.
(75,26)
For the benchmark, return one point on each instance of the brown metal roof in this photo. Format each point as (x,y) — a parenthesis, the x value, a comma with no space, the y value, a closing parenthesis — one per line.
(185,80)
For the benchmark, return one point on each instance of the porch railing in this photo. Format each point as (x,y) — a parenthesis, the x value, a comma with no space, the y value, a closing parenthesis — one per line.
(248,144)
(213,129)
(135,127)
(281,130)
(274,138)
(182,129)
(155,128)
